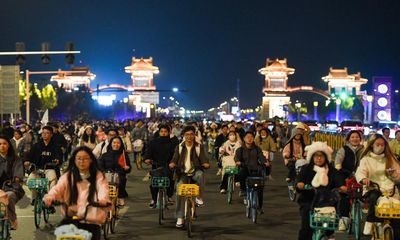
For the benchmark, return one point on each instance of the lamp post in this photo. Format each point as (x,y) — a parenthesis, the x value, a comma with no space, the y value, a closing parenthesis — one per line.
(315,103)
(338,102)
(298,106)
(370,98)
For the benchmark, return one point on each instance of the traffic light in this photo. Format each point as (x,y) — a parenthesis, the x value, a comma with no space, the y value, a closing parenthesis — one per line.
(20,47)
(70,57)
(45,57)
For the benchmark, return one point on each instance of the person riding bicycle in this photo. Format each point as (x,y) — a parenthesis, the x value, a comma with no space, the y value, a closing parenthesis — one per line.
(227,155)
(11,178)
(375,160)
(322,176)
(117,160)
(82,184)
(250,158)
(159,154)
(346,161)
(140,136)
(189,160)
(46,155)
(395,144)
(293,151)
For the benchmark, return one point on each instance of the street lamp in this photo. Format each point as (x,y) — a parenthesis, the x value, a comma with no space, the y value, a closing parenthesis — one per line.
(315,103)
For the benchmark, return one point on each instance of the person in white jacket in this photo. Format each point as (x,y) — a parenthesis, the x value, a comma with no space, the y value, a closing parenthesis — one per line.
(373,164)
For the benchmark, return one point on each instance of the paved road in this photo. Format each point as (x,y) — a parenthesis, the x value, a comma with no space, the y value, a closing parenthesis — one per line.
(216,220)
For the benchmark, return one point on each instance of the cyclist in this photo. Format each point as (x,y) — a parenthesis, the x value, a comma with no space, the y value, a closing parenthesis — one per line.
(189,160)
(45,154)
(117,160)
(293,151)
(88,138)
(102,147)
(266,142)
(83,183)
(320,175)
(11,170)
(346,161)
(221,138)
(159,154)
(395,144)
(140,132)
(227,154)
(249,158)
(374,161)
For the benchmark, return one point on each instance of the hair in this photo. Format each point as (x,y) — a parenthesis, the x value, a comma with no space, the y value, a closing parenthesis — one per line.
(398,131)
(10,152)
(48,128)
(109,147)
(263,129)
(385,128)
(224,126)
(351,132)
(86,137)
(388,153)
(303,144)
(73,174)
(18,131)
(188,128)
(249,132)
(111,129)
(164,126)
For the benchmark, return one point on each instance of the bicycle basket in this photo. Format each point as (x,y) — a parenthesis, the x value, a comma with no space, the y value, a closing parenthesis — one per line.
(3,210)
(231,170)
(324,221)
(112,191)
(160,182)
(388,210)
(188,190)
(252,182)
(38,183)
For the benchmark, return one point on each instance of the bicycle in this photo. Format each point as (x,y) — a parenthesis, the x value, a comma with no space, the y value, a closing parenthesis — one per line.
(79,222)
(162,183)
(355,192)
(112,216)
(5,225)
(291,184)
(231,172)
(253,184)
(322,219)
(41,186)
(387,212)
(189,192)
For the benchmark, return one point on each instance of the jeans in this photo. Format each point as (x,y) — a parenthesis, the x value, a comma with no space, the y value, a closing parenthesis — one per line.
(197,178)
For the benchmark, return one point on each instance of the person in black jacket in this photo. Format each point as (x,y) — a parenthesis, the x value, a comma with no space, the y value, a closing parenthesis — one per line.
(323,177)
(159,154)
(250,158)
(117,160)
(45,154)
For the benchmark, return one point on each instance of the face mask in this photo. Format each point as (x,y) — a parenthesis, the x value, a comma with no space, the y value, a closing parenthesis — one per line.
(232,138)
(378,149)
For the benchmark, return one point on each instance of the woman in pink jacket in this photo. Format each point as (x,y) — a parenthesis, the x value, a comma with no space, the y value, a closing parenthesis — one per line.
(82,184)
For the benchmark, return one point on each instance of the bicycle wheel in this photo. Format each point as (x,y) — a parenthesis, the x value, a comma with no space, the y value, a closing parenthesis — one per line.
(254,207)
(357,215)
(37,209)
(388,233)
(189,218)
(160,205)
(113,220)
(46,214)
(230,189)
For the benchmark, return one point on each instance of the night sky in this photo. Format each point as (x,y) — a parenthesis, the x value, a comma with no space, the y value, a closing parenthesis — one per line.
(205,46)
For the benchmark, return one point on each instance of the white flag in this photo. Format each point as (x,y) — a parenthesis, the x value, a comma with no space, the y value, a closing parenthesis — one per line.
(45,118)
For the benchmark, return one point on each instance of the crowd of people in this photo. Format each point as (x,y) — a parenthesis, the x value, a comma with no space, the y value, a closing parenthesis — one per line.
(75,156)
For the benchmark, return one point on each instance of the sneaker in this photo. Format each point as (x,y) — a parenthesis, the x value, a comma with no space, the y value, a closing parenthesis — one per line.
(237,184)
(288,179)
(14,225)
(244,201)
(179,223)
(199,201)
(223,191)
(152,204)
(146,178)
(367,228)
(219,172)
(342,225)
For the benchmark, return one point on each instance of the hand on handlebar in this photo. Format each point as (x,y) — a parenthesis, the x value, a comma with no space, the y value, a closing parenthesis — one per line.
(238,164)
(172,165)
(366,182)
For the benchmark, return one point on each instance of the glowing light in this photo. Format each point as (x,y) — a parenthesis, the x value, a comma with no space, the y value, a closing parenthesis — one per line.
(105,100)
(343,95)
(370,98)
(382,115)
(382,102)
(175,89)
(383,88)
(315,103)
